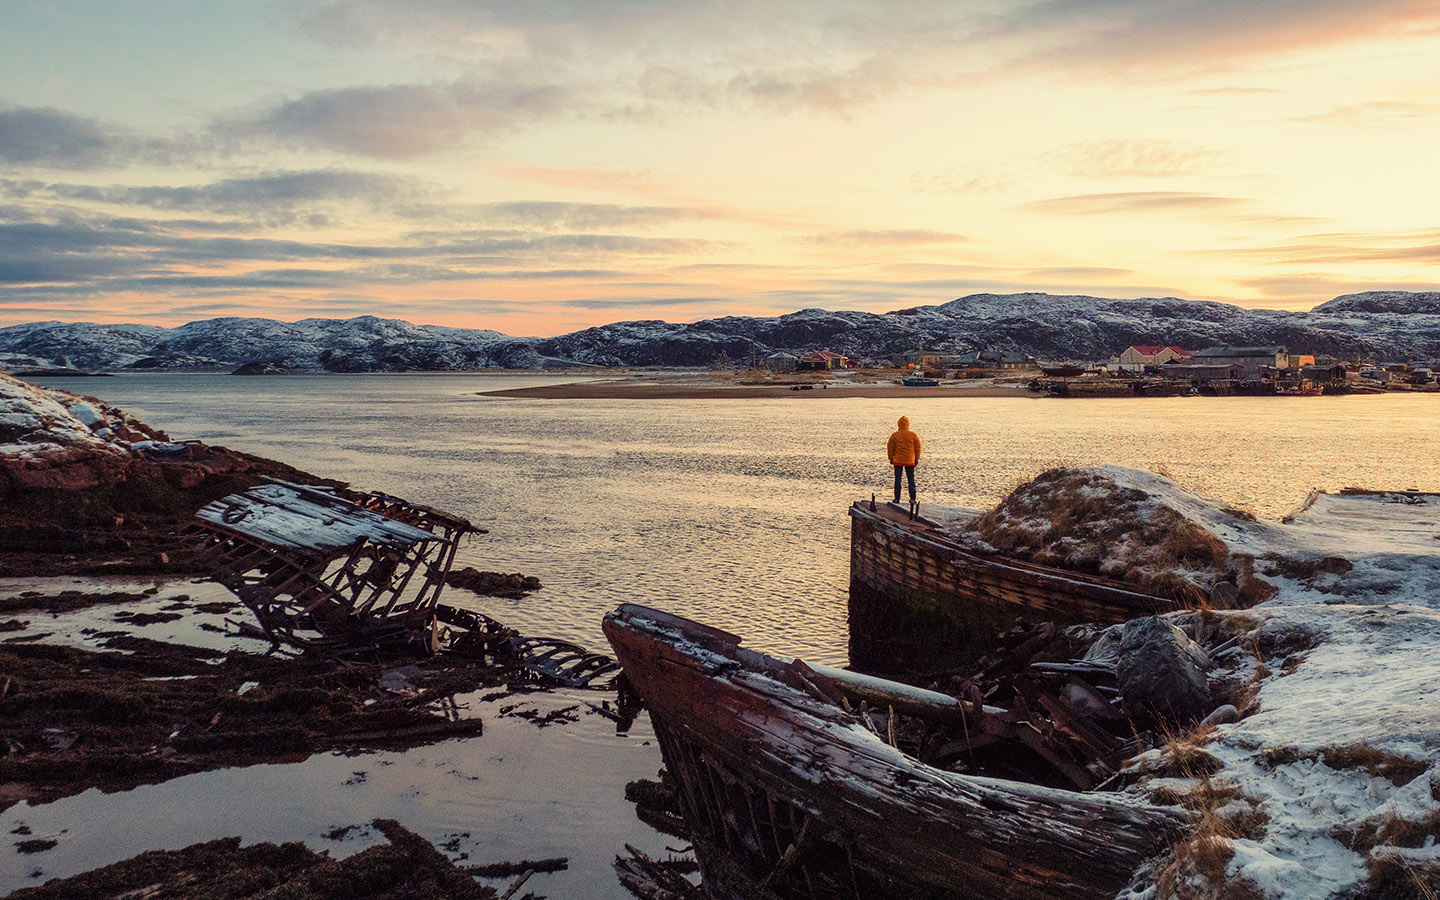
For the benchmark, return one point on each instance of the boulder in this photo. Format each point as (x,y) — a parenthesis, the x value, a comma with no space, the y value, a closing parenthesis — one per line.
(1161,673)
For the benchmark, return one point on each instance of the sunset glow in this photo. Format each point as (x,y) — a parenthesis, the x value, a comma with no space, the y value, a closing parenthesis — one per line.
(539,166)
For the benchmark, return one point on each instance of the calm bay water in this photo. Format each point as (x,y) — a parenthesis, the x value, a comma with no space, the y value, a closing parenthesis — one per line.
(728,511)
(733,511)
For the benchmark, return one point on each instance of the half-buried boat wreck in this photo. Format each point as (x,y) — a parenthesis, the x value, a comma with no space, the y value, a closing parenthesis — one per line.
(791,789)
(1072,546)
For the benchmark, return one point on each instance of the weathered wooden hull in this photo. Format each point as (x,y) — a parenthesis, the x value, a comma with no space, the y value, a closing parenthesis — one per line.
(921,602)
(788,797)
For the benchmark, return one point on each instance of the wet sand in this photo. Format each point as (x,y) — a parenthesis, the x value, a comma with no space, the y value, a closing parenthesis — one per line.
(618,390)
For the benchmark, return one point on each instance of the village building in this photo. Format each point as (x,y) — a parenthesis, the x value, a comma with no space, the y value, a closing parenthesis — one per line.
(994,359)
(1326,375)
(929,360)
(1250,359)
(780,361)
(1136,358)
(1201,373)
(823,360)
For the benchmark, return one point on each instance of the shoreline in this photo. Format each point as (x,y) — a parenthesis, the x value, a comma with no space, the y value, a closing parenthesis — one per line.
(612,390)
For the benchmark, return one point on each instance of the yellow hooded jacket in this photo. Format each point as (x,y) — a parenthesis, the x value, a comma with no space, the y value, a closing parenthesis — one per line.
(904,446)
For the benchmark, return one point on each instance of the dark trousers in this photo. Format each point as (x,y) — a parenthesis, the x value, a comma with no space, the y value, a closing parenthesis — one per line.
(910,474)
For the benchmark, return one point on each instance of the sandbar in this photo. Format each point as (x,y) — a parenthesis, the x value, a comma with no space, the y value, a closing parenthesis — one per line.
(646,390)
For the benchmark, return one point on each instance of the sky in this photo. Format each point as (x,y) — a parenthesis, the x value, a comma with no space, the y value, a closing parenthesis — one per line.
(542,166)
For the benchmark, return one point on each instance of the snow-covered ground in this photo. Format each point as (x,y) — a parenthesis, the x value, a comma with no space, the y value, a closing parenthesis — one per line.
(1333,773)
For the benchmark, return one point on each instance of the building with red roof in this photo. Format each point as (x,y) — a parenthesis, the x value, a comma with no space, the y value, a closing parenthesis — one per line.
(1136,358)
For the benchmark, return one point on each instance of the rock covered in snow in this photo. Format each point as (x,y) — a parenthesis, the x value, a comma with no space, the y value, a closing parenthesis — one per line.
(54,439)
(1161,673)
(40,423)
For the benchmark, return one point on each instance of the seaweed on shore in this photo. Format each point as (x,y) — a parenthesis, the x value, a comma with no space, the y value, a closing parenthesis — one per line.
(406,868)
(71,719)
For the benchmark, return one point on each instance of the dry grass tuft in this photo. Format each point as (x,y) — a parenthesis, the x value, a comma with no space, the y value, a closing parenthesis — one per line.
(1306,570)
(1081,520)
(1390,875)
(1392,831)
(1185,756)
(1398,770)
(1198,871)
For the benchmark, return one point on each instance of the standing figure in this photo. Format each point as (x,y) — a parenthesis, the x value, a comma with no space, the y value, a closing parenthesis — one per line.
(904,453)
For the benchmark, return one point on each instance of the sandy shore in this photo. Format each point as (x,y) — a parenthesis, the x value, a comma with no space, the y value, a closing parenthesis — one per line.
(638,390)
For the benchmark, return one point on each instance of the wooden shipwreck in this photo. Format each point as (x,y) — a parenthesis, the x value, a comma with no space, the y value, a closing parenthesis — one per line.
(347,571)
(791,792)
(917,594)
(325,568)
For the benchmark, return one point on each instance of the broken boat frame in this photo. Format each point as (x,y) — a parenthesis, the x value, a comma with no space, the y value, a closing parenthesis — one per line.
(790,796)
(332,570)
(320,568)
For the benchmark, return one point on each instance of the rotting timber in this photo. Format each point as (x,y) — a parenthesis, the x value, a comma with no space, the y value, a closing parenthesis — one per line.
(345,571)
(917,595)
(324,569)
(792,793)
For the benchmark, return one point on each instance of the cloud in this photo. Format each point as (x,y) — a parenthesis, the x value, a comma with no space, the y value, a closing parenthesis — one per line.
(1118,36)
(273,198)
(958,181)
(1381,112)
(632,302)
(883,237)
(94,254)
(1130,202)
(485,245)
(52,138)
(1078,272)
(1303,291)
(581,216)
(817,54)
(402,121)
(1124,158)
(1420,247)
(49,138)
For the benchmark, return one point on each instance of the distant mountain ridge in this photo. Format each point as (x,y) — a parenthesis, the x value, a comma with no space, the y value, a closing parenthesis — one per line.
(1384,324)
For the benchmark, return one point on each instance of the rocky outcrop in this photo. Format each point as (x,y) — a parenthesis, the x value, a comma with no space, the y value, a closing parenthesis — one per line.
(86,487)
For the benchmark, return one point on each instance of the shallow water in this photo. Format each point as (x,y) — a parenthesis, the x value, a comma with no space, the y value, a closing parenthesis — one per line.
(729,511)
(515,792)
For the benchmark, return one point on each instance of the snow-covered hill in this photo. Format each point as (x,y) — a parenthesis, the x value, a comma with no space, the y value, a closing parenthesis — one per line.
(1384,324)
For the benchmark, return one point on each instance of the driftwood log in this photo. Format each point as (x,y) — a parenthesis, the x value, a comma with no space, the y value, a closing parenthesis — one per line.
(788,796)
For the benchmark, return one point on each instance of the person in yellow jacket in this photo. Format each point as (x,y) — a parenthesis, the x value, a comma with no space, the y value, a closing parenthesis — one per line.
(904,453)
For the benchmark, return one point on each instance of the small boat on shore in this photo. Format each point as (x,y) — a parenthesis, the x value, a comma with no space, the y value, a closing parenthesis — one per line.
(788,794)
(919,381)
